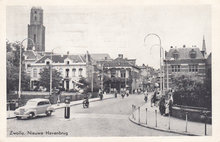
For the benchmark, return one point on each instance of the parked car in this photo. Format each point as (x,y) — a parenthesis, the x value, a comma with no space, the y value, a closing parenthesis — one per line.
(33,108)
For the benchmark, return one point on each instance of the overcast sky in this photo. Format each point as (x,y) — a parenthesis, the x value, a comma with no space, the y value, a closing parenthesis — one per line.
(116,30)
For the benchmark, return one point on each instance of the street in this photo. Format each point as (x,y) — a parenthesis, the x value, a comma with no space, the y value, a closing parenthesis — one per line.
(102,118)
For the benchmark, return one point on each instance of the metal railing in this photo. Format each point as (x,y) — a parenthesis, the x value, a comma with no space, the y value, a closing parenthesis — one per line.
(136,116)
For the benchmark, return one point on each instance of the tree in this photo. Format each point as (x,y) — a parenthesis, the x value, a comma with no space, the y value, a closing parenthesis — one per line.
(12,66)
(44,80)
(191,91)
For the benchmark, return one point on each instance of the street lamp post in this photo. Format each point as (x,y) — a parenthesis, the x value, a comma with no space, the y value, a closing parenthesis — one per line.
(51,73)
(51,67)
(163,74)
(20,64)
(153,34)
(102,87)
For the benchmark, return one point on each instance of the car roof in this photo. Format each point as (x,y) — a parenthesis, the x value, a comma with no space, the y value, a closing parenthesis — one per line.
(38,99)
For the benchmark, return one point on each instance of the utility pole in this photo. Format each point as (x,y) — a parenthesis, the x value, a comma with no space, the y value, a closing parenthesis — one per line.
(51,73)
(102,87)
(92,80)
(20,64)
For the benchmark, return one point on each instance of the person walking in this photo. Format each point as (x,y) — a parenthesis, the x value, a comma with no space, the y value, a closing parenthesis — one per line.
(146,96)
(153,99)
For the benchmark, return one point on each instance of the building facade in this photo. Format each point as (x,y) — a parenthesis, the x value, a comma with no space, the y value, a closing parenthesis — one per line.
(122,74)
(71,67)
(184,60)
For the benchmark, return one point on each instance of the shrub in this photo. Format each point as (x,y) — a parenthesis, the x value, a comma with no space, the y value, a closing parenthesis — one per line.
(191,91)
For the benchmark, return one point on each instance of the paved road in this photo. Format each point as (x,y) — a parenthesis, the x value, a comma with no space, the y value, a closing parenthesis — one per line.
(103,118)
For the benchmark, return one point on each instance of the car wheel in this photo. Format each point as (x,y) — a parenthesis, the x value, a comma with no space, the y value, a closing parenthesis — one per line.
(31,115)
(48,113)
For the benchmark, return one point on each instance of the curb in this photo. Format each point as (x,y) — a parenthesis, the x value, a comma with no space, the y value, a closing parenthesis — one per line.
(72,105)
(161,129)
(89,101)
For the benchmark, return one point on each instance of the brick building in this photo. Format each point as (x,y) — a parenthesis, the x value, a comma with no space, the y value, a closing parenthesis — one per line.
(186,60)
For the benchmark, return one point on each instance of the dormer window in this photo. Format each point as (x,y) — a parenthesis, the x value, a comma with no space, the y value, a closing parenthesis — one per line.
(192,54)
(48,62)
(175,55)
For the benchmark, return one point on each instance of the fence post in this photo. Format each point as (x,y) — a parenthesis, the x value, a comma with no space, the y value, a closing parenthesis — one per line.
(134,112)
(146,116)
(169,122)
(186,121)
(139,116)
(205,124)
(156,118)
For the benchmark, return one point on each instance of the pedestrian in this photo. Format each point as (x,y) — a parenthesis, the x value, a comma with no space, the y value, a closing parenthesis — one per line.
(127,92)
(116,92)
(162,105)
(153,99)
(145,95)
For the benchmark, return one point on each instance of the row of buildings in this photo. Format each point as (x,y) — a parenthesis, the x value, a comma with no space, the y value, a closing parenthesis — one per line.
(119,73)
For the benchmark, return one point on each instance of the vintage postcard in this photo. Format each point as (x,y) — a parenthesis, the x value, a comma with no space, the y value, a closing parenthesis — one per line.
(81,70)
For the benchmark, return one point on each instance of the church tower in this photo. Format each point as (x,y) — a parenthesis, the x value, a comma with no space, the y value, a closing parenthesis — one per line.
(203,47)
(36,30)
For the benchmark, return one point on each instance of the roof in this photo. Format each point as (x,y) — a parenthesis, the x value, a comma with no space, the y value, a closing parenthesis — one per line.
(184,53)
(61,58)
(119,62)
(209,59)
(100,57)
(30,55)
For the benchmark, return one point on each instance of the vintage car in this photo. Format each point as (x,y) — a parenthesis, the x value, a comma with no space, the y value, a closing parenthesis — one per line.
(33,108)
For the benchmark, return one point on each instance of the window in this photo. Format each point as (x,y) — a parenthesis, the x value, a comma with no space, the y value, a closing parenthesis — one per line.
(113,73)
(34,72)
(175,68)
(193,68)
(175,54)
(123,73)
(35,18)
(73,72)
(34,38)
(192,53)
(68,62)
(48,62)
(41,103)
(46,103)
(67,72)
(80,71)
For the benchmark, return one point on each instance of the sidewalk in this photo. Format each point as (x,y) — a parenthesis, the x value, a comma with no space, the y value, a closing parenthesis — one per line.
(176,125)
(10,114)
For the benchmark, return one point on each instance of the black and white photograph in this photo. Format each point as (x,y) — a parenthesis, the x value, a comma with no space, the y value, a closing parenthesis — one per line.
(108,70)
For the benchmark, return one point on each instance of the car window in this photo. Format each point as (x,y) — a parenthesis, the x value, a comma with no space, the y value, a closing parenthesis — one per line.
(47,102)
(40,103)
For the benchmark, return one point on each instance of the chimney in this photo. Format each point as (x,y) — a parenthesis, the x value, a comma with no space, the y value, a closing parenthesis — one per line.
(68,52)
(120,56)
